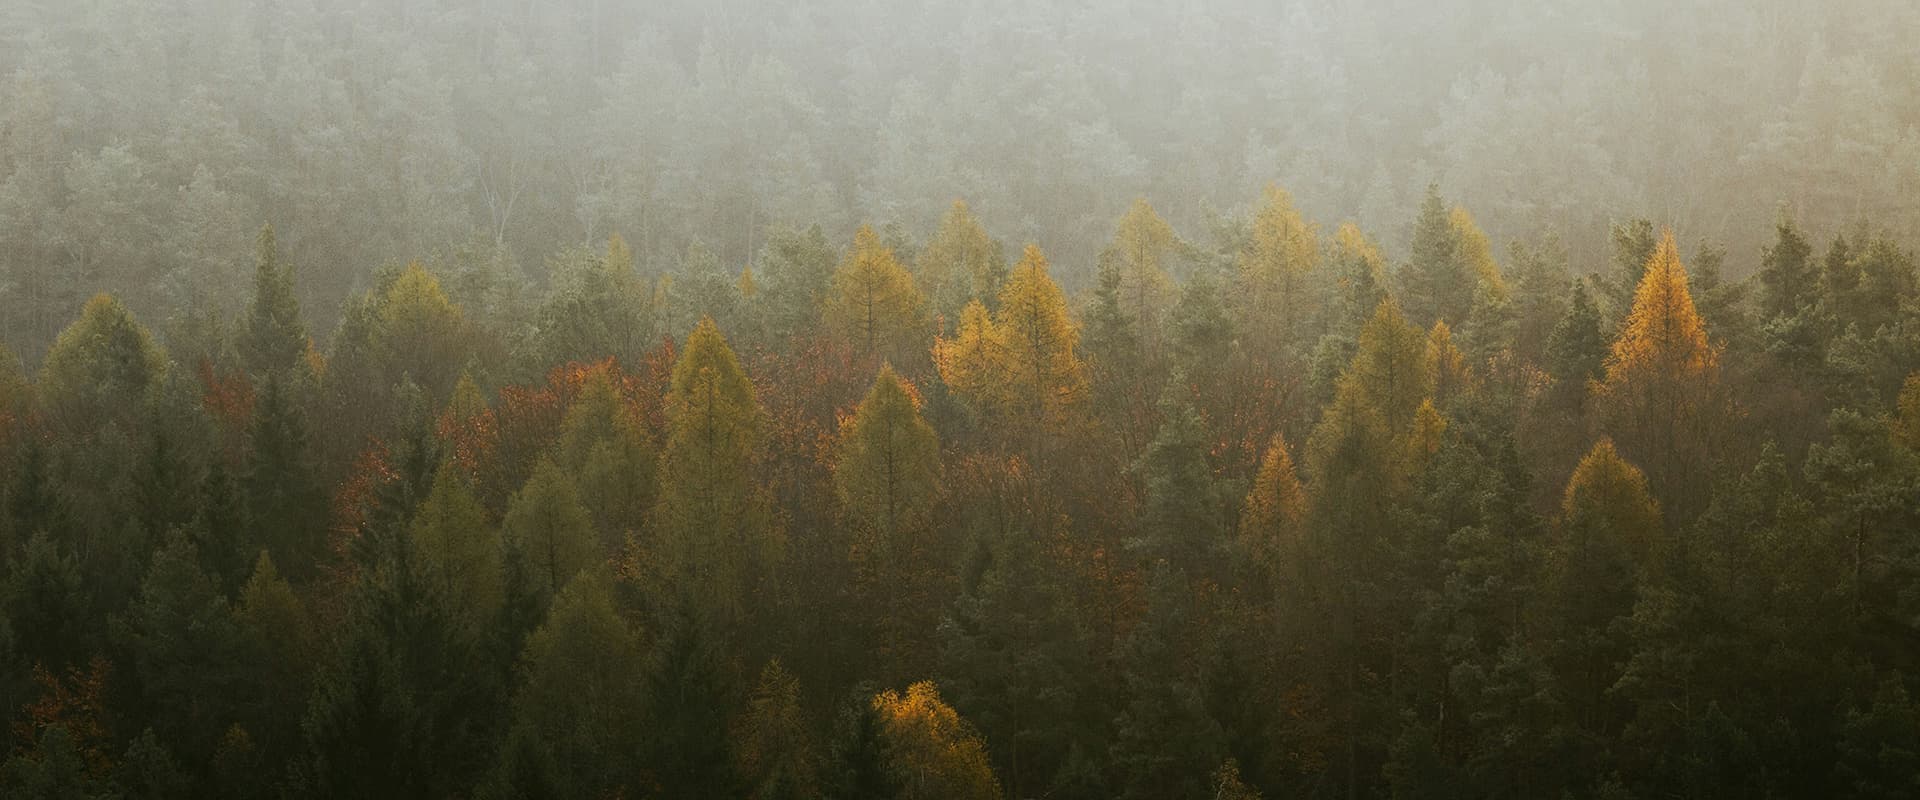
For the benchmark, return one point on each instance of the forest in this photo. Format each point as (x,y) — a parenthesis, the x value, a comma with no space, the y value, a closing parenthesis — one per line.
(1092,399)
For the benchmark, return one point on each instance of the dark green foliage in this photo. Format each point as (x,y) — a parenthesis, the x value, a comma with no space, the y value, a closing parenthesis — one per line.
(1436,283)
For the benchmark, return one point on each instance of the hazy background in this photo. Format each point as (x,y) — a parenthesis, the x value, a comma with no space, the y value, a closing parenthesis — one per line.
(142,144)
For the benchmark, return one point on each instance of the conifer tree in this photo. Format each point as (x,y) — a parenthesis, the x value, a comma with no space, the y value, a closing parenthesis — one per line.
(711,525)
(1390,371)
(100,369)
(1609,524)
(577,717)
(1660,393)
(1281,250)
(887,468)
(456,553)
(1437,283)
(1274,511)
(1181,515)
(1787,273)
(1137,254)
(549,531)
(874,305)
(605,446)
(960,264)
(1023,367)
(275,338)
(773,750)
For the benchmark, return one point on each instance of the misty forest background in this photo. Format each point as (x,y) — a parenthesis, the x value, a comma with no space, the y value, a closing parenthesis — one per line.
(1330,398)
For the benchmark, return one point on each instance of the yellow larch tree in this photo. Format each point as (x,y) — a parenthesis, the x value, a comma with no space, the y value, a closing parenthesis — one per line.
(1390,370)
(874,305)
(1282,248)
(1138,252)
(1022,365)
(1270,518)
(1660,398)
(1448,366)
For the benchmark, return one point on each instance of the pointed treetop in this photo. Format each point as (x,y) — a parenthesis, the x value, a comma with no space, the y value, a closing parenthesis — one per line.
(1663,333)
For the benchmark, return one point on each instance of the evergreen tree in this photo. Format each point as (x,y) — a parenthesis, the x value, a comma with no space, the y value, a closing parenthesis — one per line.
(1787,272)
(1437,283)
(274,341)
(1181,516)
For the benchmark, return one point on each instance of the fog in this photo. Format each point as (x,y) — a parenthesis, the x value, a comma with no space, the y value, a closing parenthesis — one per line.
(142,143)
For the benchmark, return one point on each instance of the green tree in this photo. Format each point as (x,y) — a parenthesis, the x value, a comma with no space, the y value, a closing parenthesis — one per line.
(960,264)
(1787,273)
(548,531)
(712,533)
(274,341)
(577,716)
(773,746)
(1437,283)
(456,553)
(101,369)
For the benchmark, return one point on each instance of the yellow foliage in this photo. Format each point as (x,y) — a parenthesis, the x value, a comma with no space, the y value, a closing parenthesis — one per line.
(1350,244)
(1608,493)
(1906,423)
(932,752)
(1022,363)
(1139,245)
(1270,519)
(1390,370)
(1664,336)
(1424,439)
(1273,267)
(1445,363)
(874,304)
(961,262)
(1477,255)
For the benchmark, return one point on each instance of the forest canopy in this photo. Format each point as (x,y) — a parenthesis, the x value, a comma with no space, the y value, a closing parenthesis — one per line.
(1329,398)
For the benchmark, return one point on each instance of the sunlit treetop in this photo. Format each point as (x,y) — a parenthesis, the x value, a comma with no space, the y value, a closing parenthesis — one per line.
(1607,491)
(874,304)
(1663,334)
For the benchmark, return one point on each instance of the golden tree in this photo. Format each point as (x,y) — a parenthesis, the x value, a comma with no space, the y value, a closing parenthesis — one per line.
(1282,248)
(932,752)
(874,305)
(1660,398)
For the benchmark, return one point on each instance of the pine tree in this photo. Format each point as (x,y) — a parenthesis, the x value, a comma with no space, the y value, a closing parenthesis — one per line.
(773,750)
(1787,273)
(577,717)
(275,337)
(1181,515)
(1166,742)
(607,449)
(797,270)
(1437,283)
(874,305)
(280,481)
